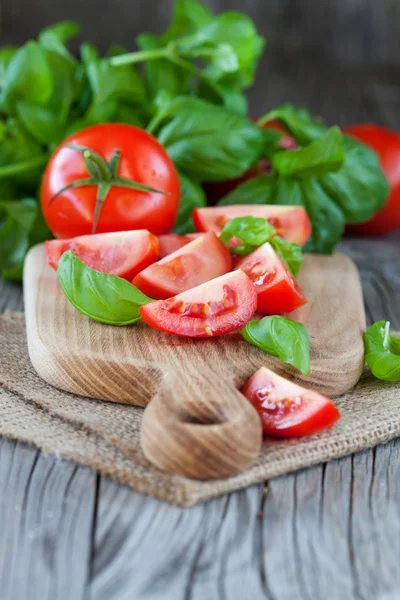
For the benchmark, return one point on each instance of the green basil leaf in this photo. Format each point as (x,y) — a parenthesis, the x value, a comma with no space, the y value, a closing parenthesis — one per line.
(252,231)
(6,54)
(104,298)
(14,243)
(297,121)
(23,212)
(192,196)
(162,74)
(319,157)
(19,147)
(359,188)
(326,218)
(28,77)
(56,36)
(290,253)
(281,337)
(110,83)
(382,352)
(189,15)
(208,142)
(260,190)
(41,122)
(233,47)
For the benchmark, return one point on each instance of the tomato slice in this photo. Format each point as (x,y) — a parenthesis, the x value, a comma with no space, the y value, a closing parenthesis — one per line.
(291,222)
(211,309)
(197,262)
(287,409)
(124,253)
(277,290)
(170,242)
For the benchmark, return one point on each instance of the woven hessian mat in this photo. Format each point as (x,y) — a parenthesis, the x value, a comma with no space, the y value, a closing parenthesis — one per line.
(105,436)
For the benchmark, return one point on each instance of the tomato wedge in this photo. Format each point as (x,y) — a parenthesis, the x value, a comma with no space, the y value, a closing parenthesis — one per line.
(195,263)
(170,242)
(124,253)
(287,409)
(213,308)
(277,290)
(291,222)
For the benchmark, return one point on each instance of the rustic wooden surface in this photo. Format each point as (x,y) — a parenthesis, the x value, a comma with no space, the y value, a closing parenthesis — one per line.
(351,31)
(330,532)
(81,356)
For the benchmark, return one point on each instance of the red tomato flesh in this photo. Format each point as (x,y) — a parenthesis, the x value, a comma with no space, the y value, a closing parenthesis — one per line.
(143,160)
(386,144)
(277,290)
(123,253)
(287,409)
(170,242)
(195,263)
(291,222)
(211,309)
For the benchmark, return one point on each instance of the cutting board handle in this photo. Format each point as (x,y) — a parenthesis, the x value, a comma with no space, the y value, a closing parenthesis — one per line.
(200,426)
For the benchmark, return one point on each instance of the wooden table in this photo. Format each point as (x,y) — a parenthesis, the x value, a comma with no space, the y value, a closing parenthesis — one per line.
(330,532)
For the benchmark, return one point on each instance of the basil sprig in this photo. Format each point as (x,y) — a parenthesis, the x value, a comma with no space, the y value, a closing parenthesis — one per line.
(382,352)
(256,231)
(104,298)
(336,178)
(281,337)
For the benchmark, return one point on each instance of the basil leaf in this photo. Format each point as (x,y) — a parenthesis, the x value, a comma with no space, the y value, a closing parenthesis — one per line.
(56,36)
(326,217)
(297,121)
(6,54)
(39,121)
(260,190)
(382,352)
(290,253)
(208,142)
(281,337)
(16,220)
(20,147)
(252,231)
(359,188)
(319,157)
(192,196)
(28,77)
(23,212)
(189,15)
(104,298)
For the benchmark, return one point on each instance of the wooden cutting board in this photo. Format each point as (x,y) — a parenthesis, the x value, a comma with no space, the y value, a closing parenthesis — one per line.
(197,424)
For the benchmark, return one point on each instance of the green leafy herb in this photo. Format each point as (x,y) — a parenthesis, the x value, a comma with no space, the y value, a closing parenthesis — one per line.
(335,177)
(16,221)
(254,232)
(319,157)
(208,142)
(281,337)
(192,196)
(251,231)
(382,352)
(290,253)
(105,298)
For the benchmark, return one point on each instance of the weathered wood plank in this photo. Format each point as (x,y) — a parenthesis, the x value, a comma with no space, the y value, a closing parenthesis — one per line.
(46,518)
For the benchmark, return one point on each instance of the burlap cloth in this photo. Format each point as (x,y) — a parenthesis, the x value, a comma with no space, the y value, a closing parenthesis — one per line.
(105,436)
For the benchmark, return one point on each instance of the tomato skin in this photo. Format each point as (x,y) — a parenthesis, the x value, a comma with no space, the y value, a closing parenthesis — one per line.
(197,262)
(286,409)
(277,290)
(143,160)
(171,242)
(292,223)
(211,309)
(386,144)
(123,253)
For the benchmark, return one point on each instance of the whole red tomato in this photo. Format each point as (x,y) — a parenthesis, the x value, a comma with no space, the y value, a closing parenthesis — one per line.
(386,144)
(112,157)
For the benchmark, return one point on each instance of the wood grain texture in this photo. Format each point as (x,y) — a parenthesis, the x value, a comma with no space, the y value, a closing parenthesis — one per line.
(352,31)
(332,530)
(197,423)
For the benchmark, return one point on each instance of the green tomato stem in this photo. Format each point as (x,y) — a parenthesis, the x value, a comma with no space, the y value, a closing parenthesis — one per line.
(25,165)
(135,57)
